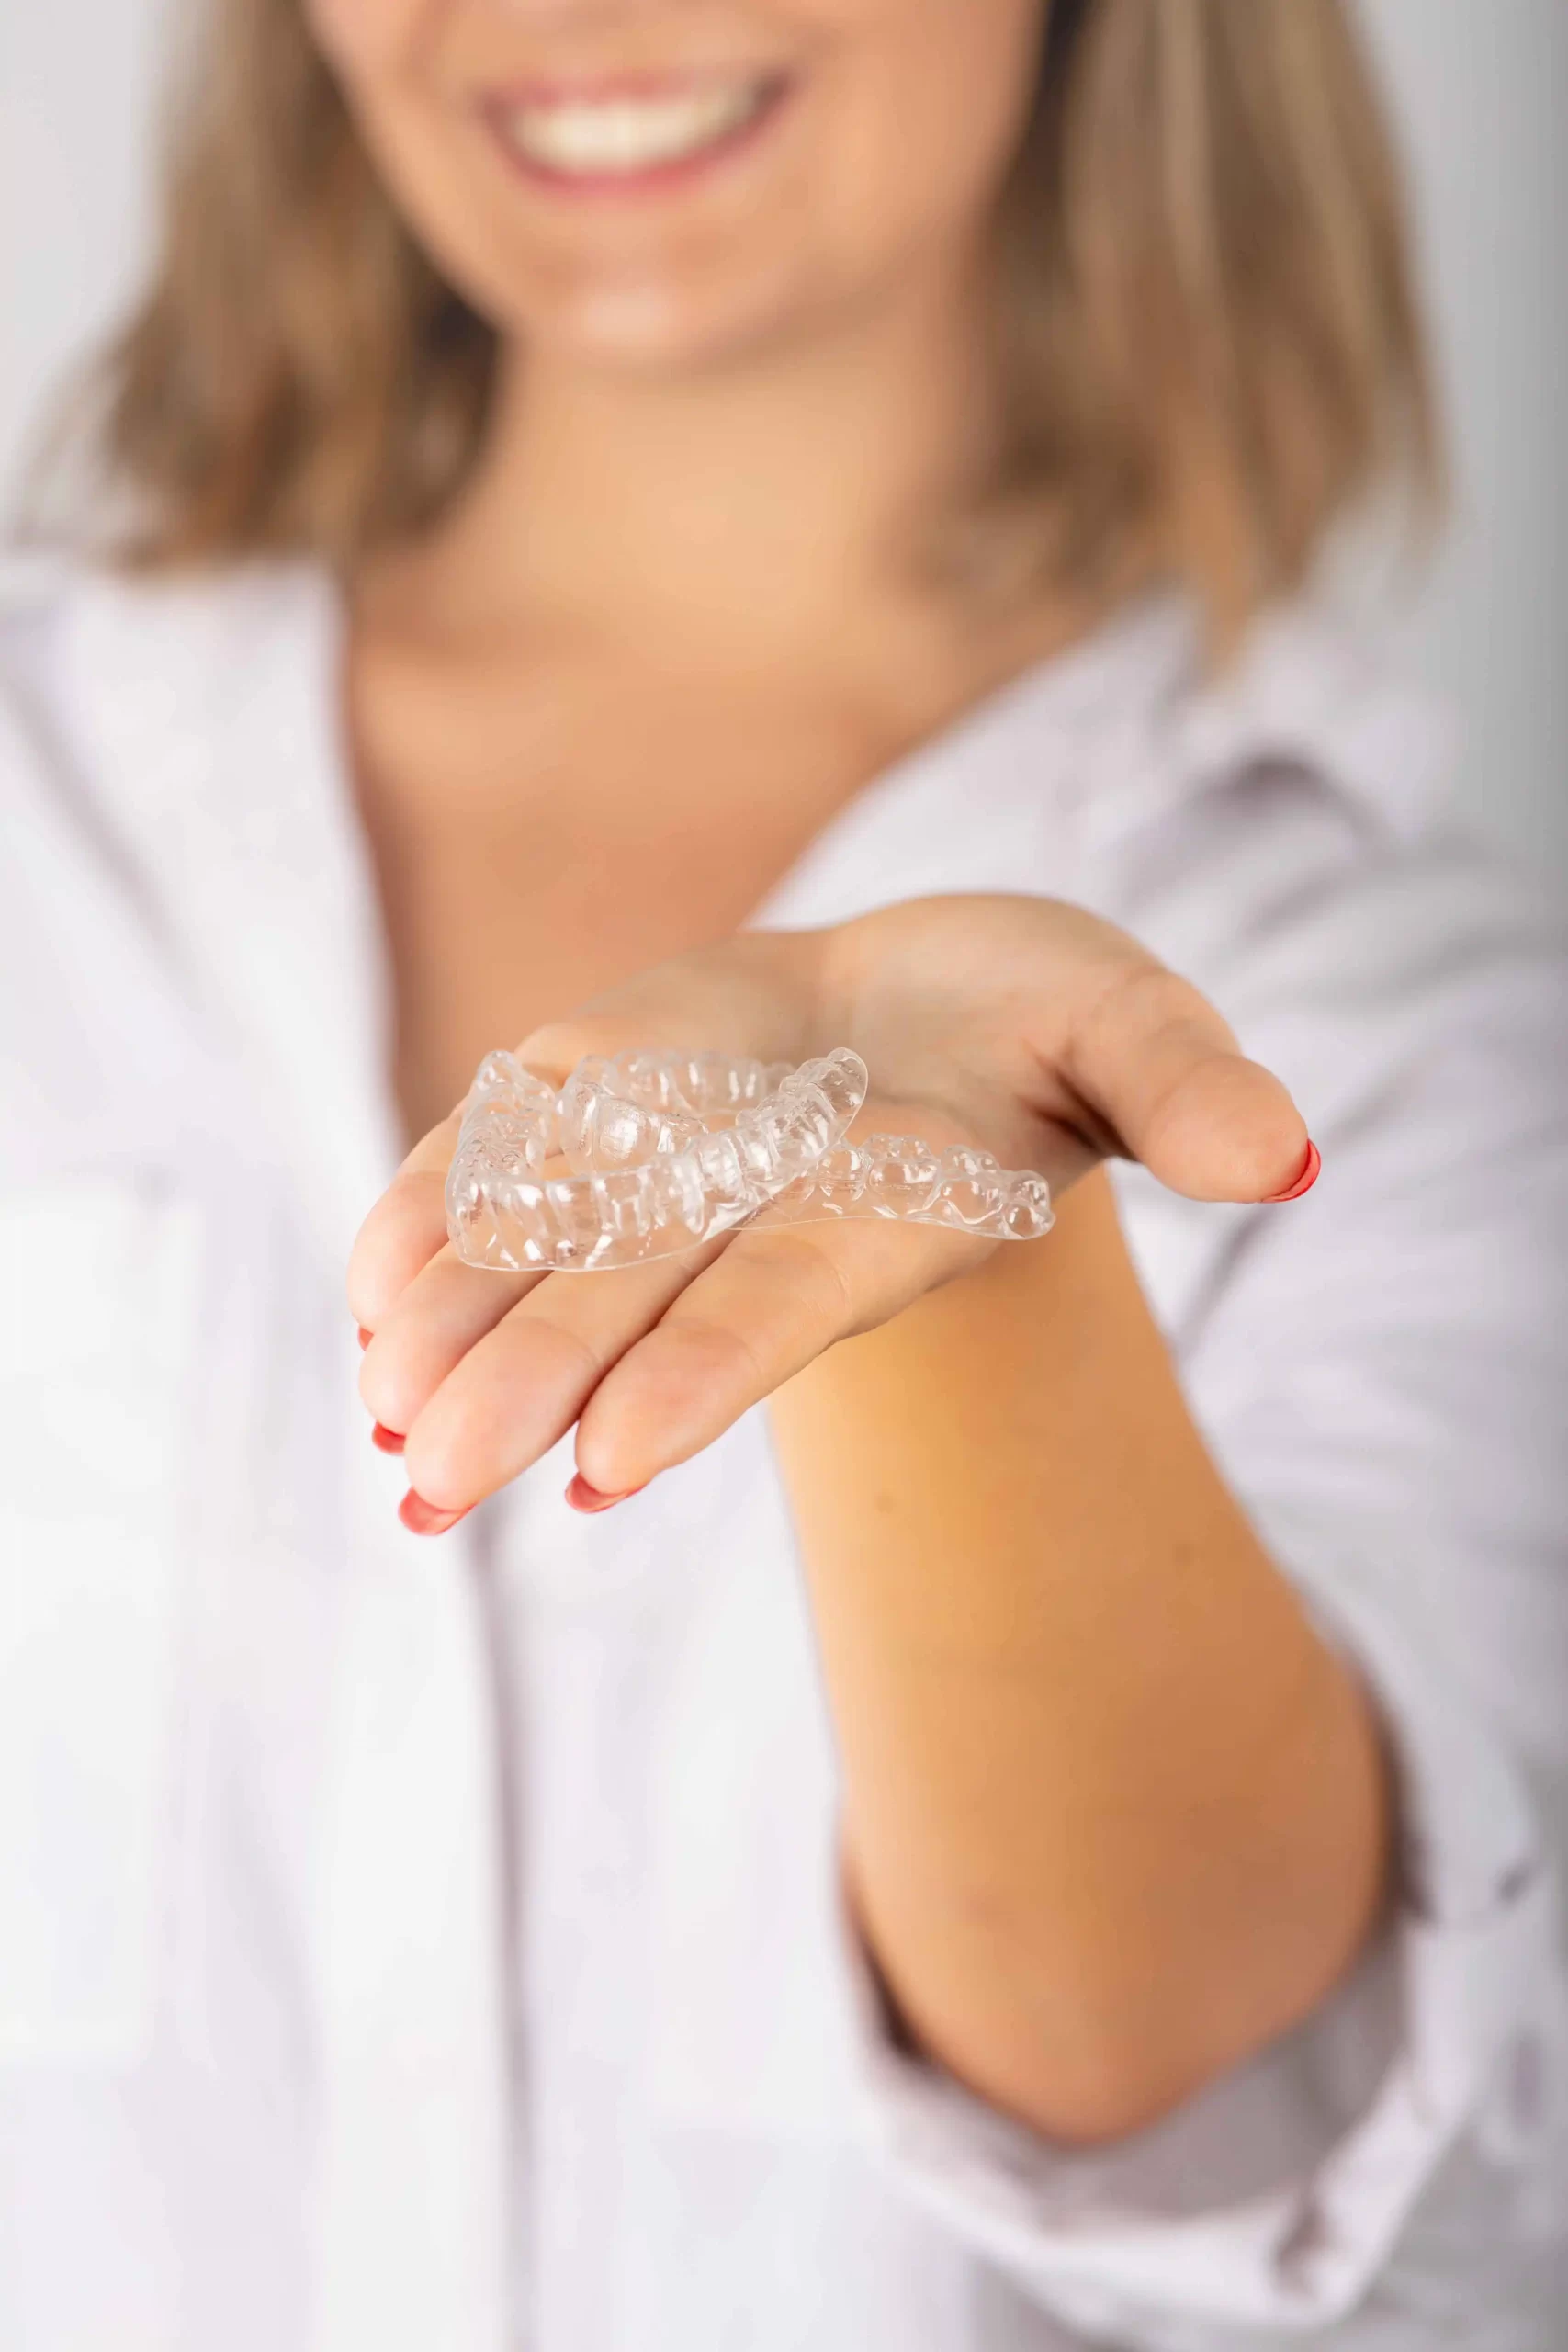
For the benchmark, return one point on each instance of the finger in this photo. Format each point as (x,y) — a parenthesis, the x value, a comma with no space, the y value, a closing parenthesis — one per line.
(1152,1058)
(520,1387)
(405,1228)
(439,1317)
(770,1304)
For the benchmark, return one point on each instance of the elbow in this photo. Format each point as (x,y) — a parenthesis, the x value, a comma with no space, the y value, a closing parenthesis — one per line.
(1088,2048)
(1094,2083)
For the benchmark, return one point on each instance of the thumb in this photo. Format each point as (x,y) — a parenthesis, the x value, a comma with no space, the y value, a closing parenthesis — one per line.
(1150,1058)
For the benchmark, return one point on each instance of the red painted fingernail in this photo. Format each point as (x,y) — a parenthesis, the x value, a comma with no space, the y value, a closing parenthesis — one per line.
(588,1499)
(423,1518)
(1303,1183)
(365,1337)
(388,1439)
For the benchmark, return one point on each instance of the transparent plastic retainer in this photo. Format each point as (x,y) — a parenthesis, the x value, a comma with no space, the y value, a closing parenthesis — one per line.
(652,1153)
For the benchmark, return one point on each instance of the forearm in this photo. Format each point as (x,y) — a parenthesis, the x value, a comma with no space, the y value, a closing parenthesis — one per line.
(1114,1815)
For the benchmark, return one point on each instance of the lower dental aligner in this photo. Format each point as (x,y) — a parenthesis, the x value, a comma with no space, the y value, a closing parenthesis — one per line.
(654,1153)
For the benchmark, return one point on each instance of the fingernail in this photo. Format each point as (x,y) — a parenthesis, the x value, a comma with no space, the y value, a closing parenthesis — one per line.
(423,1518)
(365,1337)
(1303,1183)
(388,1439)
(588,1499)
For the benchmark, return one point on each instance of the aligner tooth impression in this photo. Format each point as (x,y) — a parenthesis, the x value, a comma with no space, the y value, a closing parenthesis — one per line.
(651,1153)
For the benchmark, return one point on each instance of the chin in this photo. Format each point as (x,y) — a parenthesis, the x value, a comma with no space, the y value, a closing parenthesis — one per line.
(655,327)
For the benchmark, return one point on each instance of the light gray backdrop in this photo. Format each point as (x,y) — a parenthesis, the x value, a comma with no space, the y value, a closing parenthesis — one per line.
(1481,87)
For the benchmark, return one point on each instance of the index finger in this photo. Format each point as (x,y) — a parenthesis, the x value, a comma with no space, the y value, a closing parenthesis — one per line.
(406,1228)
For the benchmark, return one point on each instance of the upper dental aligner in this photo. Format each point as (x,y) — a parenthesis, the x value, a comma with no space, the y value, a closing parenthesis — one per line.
(665,1150)
(650,1172)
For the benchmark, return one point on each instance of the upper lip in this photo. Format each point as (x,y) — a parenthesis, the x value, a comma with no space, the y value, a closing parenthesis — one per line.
(605,89)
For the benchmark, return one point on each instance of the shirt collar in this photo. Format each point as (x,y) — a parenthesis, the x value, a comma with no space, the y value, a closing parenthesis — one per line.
(213,707)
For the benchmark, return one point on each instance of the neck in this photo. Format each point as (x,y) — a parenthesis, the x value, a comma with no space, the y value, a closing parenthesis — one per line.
(748,507)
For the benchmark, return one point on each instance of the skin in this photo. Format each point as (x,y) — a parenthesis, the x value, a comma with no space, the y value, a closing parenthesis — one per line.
(1113,1815)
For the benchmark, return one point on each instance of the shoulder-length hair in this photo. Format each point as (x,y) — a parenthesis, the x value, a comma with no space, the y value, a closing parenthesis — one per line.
(1206,312)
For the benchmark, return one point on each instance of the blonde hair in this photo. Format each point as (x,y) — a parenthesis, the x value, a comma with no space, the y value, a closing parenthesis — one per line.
(1210,332)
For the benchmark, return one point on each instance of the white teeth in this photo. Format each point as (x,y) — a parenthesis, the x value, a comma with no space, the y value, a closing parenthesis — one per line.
(624,134)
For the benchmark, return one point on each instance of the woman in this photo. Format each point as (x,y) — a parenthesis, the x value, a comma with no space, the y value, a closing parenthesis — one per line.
(778,523)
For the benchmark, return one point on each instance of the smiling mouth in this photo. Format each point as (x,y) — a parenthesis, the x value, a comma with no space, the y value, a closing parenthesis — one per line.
(631,135)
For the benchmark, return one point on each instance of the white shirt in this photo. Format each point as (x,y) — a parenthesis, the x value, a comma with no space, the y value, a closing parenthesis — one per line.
(423,1946)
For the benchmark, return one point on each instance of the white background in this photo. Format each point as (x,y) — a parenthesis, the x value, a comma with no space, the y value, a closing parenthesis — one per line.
(1481,89)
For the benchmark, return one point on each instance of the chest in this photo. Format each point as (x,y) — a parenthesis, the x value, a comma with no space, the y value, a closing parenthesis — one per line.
(548,834)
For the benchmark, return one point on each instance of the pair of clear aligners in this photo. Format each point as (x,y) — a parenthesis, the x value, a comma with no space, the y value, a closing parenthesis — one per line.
(666,1150)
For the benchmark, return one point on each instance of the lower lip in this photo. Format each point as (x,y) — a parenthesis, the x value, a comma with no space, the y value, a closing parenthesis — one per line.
(653,179)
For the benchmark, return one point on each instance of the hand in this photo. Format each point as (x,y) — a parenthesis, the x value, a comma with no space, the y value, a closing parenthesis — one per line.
(1021,1025)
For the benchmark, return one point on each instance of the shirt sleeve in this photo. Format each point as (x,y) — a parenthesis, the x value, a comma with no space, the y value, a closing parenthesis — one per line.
(1380,1372)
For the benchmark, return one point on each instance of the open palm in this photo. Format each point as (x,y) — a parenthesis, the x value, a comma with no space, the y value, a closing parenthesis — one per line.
(1020,1026)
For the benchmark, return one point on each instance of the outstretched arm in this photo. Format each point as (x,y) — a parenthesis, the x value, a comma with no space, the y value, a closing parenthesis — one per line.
(1114,1813)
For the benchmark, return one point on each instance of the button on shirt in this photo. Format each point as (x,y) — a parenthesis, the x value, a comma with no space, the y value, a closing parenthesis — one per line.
(408,1946)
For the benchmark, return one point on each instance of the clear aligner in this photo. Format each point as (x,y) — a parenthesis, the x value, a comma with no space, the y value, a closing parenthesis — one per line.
(652,1153)
(897,1177)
